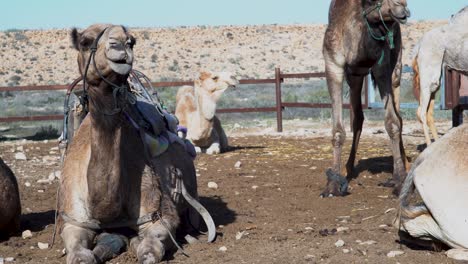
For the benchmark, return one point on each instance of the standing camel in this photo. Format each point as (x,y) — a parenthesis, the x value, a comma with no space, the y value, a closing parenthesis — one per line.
(442,46)
(103,186)
(196,108)
(363,36)
(10,206)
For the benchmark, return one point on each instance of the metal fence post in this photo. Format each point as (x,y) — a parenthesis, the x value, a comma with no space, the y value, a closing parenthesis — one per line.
(279,107)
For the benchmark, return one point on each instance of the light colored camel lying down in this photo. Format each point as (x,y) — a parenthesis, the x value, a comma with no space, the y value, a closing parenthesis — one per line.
(440,175)
(196,108)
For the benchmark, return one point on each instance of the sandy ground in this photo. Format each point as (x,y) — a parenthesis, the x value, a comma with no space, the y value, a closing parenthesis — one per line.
(266,211)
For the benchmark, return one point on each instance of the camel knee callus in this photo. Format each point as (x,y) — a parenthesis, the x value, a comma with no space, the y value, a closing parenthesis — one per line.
(363,36)
(10,206)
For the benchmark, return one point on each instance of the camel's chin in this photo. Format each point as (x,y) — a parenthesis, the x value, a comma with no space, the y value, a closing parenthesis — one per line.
(120,68)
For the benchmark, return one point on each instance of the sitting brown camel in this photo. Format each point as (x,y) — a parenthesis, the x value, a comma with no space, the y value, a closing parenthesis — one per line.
(196,108)
(363,36)
(10,206)
(104,187)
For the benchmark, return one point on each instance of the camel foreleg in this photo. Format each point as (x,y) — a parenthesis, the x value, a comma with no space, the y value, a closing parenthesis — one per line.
(78,243)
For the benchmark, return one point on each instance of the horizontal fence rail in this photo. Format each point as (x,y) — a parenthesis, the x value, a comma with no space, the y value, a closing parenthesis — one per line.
(452,88)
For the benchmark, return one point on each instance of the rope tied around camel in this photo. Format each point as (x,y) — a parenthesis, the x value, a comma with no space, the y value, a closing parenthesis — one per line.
(388,36)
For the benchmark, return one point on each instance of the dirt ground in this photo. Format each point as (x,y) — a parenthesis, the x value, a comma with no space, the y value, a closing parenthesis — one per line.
(266,211)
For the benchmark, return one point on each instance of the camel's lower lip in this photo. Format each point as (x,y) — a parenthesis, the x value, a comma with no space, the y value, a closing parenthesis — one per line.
(120,68)
(401,20)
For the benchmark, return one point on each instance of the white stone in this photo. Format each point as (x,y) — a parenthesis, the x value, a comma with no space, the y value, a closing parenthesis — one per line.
(43,181)
(395,253)
(342,228)
(212,185)
(42,245)
(238,164)
(345,250)
(223,249)
(27,184)
(389,210)
(368,242)
(309,257)
(254,187)
(457,254)
(9,259)
(26,234)
(20,156)
(20,148)
(339,243)
(239,235)
(40,191)
(54,175)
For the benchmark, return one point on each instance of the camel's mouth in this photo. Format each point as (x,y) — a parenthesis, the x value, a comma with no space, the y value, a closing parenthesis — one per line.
(122,68)
(401,20)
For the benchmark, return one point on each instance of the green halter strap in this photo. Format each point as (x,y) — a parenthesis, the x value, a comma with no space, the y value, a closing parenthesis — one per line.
(388,36)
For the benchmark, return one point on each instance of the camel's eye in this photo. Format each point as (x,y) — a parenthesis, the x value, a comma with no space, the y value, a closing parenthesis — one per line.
(130,42)
(85,43)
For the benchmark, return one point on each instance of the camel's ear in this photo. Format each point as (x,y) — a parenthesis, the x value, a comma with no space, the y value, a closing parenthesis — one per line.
(204,75)
(132,41)
(75,38)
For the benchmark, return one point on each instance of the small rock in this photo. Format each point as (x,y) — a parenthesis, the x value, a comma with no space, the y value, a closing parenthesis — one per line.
(313,168)
(20,148)
(238,164)
(54,175)
(9,259)
(27,184)
(40,191)
(42,245)
(20,156)
(309,228)
(368,242)
(383,226)
(309,257)
(254,187)
(395,253)
(389,210)
(26,234)
(339,243)
(341,229)
(43,181)
(54,148)
(345,250)
(236,125)
(223,249)
(212,185)
(239,235)
(457,254)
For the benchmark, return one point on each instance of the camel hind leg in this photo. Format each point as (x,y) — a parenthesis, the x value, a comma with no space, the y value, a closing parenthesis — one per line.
(430,117)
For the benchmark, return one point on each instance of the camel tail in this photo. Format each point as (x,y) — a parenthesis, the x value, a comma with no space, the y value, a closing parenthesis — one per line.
(416,78)
(406,210)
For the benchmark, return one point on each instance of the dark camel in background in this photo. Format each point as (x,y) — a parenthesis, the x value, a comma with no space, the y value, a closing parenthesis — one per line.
(364,36)
(10,206)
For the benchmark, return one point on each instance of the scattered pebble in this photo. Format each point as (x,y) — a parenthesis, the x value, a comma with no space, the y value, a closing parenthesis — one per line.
(309,257)
(457,254)
(239,235)
(42,245)
(27,184)
(339,243)
(9,259)
(309,228)
(342,228)
(40,191)
(395,253)
(26,234)
(223,249)
(383,226)
(20,156)
(389,210)
(254,187)
(345,250)
(43,181)
(368,242)
(212,185)
(238,164)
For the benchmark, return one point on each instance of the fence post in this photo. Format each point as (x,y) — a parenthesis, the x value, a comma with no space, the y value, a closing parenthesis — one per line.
(279,107)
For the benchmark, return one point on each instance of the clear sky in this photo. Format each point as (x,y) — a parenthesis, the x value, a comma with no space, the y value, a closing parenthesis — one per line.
(45,14)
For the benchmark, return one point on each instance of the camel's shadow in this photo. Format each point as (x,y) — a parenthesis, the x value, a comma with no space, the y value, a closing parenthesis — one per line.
(37,221)
(374,165)
(235,148)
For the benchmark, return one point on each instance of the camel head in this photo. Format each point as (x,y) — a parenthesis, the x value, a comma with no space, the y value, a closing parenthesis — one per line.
(391,10)
(114,51)
(215,83)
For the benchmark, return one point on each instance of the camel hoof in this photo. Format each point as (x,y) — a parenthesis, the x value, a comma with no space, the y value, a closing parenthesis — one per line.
(84,256)
(337,185)
(213,149)
(149,253)
(191,240)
